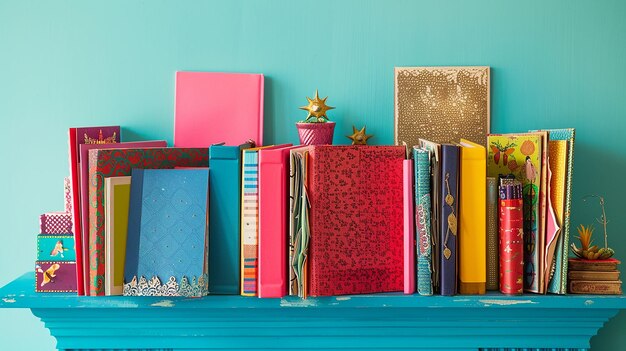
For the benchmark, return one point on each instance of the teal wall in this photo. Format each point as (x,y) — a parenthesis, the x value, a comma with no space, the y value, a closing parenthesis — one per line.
(63,63)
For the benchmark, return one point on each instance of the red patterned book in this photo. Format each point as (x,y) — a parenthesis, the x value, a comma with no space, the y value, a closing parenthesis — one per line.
(76,137)
(356,219)
(511,237)
(119,162)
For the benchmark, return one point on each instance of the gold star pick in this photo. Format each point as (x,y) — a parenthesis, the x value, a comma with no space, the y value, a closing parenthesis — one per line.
(317,107)
(359,137)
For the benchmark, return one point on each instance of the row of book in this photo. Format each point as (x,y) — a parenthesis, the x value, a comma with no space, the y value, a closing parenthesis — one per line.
(301,220)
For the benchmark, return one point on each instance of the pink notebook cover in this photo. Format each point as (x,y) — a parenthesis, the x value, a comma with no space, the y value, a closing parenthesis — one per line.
(273,200)
(84,185)
(214,107)
(409,235)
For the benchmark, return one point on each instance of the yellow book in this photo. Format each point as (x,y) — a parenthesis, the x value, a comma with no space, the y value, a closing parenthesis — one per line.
(473,219)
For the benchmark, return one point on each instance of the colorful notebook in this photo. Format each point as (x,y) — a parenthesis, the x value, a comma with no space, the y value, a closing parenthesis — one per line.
(167,245)
(356,219)
(225,219)
(449,224)
(472,219)
(84,184)
(78,136)
(250,219)
(423,210)
(213,107)
(273,221)
(119,162)
(409,230)
(521,155)
(493,260)
(116,201)
(55,276)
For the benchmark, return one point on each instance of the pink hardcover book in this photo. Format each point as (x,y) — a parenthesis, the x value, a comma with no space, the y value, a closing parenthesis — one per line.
(273,200)
(84,186)
(214,107)
(409,234)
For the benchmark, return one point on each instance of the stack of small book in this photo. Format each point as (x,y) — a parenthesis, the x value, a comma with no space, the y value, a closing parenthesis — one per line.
(594,277)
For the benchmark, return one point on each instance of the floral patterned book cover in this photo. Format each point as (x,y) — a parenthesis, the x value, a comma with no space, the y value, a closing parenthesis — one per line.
(523,157)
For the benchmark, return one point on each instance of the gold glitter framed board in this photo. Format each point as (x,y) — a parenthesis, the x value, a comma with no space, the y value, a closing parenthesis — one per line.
(442,104)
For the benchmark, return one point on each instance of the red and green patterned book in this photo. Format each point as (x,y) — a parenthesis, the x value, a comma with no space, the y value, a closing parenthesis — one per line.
(120,162)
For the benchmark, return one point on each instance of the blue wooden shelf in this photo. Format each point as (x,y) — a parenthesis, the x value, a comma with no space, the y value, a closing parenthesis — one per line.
(365,322)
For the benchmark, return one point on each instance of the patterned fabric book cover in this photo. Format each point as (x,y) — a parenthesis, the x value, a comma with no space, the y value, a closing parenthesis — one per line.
(55,223)
(521,156)
(434,150)
(422,221)
(55,248)
(472,219)
(493,260)
(55,276)
(117,201)
(449,224)
(214,107)
(356,215)
(409,227)
(119,162)
(299,229)
(441,104)
(511,223)
(225,219)
(273,221)
(84,184)
(76,137)
(167,242)
(558,283)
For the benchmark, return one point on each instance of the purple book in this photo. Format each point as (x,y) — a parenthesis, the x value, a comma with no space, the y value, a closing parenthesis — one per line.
(55,276)
(84,185)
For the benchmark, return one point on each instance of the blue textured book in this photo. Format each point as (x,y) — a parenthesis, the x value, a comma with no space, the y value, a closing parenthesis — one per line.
(449,202)
(167,243)
(224,218)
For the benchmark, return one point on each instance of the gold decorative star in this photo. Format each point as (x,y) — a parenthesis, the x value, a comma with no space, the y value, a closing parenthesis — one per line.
(359,137)
(317,107)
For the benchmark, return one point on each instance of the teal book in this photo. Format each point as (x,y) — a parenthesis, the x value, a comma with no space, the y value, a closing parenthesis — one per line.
(55,247)
(225,218)
(422,221)
(167,239)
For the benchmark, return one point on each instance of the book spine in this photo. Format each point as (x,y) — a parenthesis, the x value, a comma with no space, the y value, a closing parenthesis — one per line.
(225,219)
(409,231)
(595,287)
(81,261)
(422,221)
(67,195)
(593,275)
(249,223)
(511,239)
(493,261)
(449,224)
(272,229)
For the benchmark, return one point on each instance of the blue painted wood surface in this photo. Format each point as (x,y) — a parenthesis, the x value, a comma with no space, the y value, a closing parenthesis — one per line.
(368,322)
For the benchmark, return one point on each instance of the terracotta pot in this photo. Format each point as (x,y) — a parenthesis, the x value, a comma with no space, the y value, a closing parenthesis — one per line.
(316,133)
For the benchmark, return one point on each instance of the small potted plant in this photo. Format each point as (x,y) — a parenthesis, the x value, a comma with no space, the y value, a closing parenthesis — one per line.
(588,251)
(316,129)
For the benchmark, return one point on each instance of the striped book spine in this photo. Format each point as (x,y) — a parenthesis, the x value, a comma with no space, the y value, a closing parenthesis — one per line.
(250,223)
(422,221)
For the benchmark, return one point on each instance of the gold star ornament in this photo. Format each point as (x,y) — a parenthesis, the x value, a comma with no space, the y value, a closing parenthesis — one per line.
(359,137)
(317,108)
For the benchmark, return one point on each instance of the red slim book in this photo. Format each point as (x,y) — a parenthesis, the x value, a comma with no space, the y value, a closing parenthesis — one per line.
(356,219)
(511,238)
